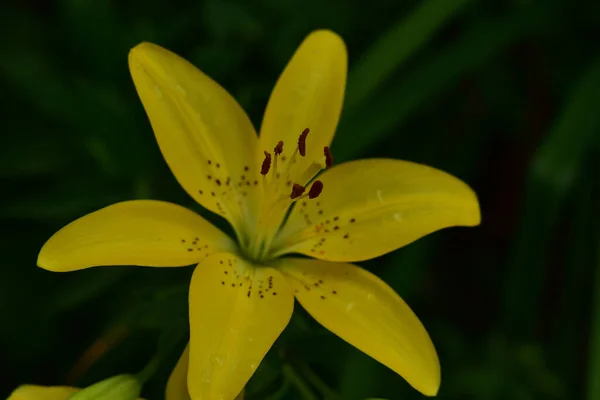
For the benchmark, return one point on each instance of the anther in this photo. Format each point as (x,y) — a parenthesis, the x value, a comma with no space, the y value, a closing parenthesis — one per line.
(279,148)
(315,190)
(302,142)
(297,191)
(266,164)
(328,157)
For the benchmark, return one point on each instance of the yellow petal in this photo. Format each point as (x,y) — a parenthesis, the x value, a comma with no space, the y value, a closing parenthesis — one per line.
(142,232)
(237,310)
(361,309)
(371,207)
(308,94)
(204,135)
(35,392)
(177,383)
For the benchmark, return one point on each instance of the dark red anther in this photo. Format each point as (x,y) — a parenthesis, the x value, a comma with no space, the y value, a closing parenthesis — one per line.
(266,164)
(302,142)
(279,148)
(328,157)
(297,191)
(315,189)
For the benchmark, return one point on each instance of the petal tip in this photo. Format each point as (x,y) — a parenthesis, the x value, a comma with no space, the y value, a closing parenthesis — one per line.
(43,261)
(49,258)
(429,385)
(433,392)
(327,36)
(432,389)
(143,53)
(140,48)
(47,263)
(428,380)
(471,209)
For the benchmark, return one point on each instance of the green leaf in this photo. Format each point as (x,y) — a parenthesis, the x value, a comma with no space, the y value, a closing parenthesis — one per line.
(395,46)
(554,171)
(83,286)
(575,289)
(380,115)
(121,387)
(157,308)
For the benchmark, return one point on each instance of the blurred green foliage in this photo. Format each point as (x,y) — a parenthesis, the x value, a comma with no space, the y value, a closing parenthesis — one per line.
(503,94)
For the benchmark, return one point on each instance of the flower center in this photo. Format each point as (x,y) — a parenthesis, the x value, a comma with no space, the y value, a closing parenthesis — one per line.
(281,191)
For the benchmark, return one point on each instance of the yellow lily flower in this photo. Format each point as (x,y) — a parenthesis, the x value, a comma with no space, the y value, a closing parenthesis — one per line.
(242,292)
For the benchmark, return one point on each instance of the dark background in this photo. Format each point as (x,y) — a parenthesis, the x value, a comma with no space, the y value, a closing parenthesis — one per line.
(504,94)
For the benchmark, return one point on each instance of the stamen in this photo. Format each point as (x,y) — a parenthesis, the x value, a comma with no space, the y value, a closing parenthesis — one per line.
(315,190)
(274,202)
(279,148)
(266,164)
(297,191)
(301,148)
(328,157)
(310,173)
(302,142)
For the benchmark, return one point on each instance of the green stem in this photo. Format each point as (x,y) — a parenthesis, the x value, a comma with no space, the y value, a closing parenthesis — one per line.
(150,368)
(290,373)
(167,342)
(317,382)
(281,392)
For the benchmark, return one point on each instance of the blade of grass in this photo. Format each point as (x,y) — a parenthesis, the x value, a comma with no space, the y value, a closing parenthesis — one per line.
(396,45)
(295,379)
(571,321)
(554,170)
(84,287)
(434,74)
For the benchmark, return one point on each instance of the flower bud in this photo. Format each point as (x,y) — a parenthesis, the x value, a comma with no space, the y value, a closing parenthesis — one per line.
(120,387)
(37,392)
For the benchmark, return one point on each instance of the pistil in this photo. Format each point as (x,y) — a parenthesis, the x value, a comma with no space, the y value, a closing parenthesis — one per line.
(274,202)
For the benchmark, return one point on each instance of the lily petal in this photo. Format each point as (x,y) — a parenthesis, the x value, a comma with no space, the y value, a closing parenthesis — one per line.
(371,207)
(236,312)
(35,392)
(177,384)
(308,94)
(205,136)
(141,232)
(365,312)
